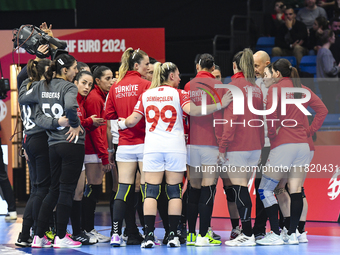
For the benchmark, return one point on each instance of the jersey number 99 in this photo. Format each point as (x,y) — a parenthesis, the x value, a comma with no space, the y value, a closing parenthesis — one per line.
(157,113)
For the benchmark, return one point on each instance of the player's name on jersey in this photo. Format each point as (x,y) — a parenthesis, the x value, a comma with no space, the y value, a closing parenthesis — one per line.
(159,99)
(50,95)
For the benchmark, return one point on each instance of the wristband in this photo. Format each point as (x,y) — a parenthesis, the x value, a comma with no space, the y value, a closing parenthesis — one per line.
(110,150)
(218,106)
(121,124)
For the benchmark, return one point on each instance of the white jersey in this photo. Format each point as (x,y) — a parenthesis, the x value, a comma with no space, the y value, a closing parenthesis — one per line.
(162,108)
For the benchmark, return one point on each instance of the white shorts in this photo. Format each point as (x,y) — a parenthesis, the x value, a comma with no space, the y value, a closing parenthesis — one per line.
(198,155)
(130,153)
(243,158)
(83,169)
(92,158)
(161,161)
(289,155)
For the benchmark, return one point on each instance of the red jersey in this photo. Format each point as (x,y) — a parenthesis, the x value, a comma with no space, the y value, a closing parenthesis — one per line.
(238,134)
(96,140)
(120,103)
(294,132)
(201,129)
(87,123)
(320,114)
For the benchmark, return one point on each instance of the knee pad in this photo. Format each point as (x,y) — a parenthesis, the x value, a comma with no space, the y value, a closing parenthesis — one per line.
(123,191)
(266,191)
(207,195)
(152,191)
(142,191)
(230,193)
(303,192)
(193,195)
(174,191)
(65,198)
(92,191)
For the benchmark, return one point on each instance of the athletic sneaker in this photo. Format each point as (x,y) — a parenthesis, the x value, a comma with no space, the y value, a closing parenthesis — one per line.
(157,242)
(117,241)
(23,243)
(11,216)
(242,240)
(207,240)
(149,241)
(173,240)
(41,242)
(235,233)
(66,242)
(191,239)
(292,239)
(302,238)
(84,238)
(213,234)
(50,234)
(165,238)
(101,238)
(134,239)
(270,239)
(259,236)
(182,233)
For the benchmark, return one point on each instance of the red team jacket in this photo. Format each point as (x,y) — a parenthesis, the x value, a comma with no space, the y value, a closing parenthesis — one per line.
(297,134)
(320,114)
(241,137)
(121,101)
(96,140)
(201,129)
(87,123)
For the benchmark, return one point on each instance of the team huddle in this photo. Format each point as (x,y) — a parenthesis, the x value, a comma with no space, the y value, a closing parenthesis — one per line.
(165,135)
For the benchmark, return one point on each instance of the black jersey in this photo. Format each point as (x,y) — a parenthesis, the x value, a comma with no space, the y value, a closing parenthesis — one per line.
(56,99)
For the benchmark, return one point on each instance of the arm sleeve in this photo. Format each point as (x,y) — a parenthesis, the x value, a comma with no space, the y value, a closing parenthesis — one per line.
(110,110)
(273,116)
(228,130)
(71,105)
(328,65)
(184,97)
(44,121)
(97,136)
(22,76)
(87,124)
(321,112)
(28,96)
(139,107)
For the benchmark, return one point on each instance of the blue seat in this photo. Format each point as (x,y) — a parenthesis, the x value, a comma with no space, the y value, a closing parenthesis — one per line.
(227,80)
(308,64)
(332,120)
(266,44)
(291,59)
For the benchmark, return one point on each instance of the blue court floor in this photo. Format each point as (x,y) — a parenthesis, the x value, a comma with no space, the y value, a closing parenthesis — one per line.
(324,238)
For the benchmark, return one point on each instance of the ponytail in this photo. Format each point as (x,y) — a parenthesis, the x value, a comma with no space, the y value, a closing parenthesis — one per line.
(128,60)
(206,61)
(63,60)
(161,73)
(156,78)
(287,70)
(36,69)
(245,62)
